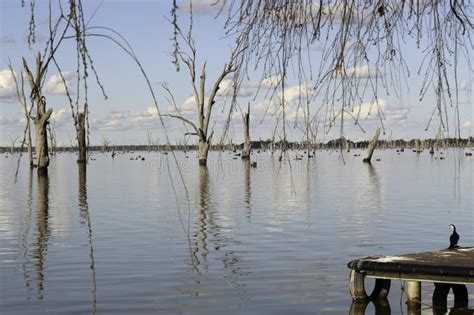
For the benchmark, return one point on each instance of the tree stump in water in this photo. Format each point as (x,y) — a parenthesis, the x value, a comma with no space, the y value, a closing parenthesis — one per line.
(246,119)
(203,152)
(372,145)
(81,138)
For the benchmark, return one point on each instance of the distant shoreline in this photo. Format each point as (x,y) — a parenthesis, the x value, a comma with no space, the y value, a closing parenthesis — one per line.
(266,145)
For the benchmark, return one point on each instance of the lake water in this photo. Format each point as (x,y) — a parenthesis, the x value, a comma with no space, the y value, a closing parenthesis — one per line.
(126,236)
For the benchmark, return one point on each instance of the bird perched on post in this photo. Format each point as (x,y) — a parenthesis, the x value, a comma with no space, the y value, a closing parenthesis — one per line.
(454,238)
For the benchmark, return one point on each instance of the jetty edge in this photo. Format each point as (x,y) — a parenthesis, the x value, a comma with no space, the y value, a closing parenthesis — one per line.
(446,268)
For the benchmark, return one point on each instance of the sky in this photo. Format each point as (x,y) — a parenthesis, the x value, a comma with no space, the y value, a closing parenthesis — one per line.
(128,115)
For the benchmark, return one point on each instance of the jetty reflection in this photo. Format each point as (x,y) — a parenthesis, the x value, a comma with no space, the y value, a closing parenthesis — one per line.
(382,307)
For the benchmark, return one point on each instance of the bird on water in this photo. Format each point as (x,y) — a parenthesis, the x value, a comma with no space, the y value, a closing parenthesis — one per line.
(454,238)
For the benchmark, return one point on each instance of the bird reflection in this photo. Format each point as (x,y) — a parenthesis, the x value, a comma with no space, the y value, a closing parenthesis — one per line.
(247,191)
(85,220)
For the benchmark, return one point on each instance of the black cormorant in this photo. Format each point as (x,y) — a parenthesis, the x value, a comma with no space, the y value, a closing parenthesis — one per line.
(454,238)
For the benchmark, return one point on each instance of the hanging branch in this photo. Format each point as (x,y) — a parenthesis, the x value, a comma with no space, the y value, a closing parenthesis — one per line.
(360,42)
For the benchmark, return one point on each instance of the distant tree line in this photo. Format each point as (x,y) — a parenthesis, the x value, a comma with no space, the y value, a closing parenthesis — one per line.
(267,144)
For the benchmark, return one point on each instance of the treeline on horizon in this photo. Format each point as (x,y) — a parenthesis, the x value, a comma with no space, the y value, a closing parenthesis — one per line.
(267,145)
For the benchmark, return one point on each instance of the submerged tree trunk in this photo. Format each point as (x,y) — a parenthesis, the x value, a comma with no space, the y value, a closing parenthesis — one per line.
(41,122)
(81,138)
(418,146)
(203,151)
(30,144)
(372,145)
(246,119)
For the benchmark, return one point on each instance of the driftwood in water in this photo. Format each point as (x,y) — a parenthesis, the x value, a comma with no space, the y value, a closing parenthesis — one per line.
(372,145)
(81,138)
(246,119)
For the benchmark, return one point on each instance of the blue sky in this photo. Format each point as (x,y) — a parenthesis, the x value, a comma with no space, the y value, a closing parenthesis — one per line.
(127,115)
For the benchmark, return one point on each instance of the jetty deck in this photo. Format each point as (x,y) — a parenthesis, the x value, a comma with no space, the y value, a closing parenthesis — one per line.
(446,268)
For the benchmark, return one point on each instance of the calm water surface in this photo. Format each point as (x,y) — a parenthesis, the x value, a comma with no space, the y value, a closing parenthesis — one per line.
(125,236)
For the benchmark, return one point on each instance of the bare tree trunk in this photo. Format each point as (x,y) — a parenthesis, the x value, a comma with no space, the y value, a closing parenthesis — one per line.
(41,122)
(372,145)
(42,116)
(52,138)
(246,118)
(203,151)
(81,138)
(272,144)
(30,145)
(418,146)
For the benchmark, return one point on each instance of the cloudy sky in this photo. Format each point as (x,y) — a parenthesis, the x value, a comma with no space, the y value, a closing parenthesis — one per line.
(128,115)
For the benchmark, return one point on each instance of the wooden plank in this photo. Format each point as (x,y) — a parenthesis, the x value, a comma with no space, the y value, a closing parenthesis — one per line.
(413,277)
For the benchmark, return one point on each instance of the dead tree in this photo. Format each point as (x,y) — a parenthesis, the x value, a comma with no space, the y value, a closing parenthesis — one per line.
(246,120)
(150,140)
(42,115)
(372,145)
(105,144)
(81,138)
(13,143)
(204,101)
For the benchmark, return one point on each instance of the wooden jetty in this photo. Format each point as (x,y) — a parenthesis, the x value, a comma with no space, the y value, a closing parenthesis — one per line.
(447,269)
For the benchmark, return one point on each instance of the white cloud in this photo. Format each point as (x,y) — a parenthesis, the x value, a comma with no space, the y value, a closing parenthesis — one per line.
(293,93)
(55,84)
(61,117)
(227,88)
(371,111)
(271,82)
(465,85)
(127,120)
(363,72)
(203,6)
(7,86)
(467,124)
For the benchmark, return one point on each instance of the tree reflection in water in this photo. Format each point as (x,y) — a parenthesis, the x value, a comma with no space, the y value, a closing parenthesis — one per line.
(374,185)
(25,232)
(247,190)
(209,240)
(42,234)
(86,221)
